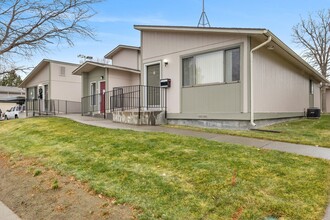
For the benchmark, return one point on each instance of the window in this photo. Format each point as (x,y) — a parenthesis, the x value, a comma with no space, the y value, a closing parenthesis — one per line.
(188,69)
(62,71)
(233,65)
(93,93)
(215,67)
(32,93)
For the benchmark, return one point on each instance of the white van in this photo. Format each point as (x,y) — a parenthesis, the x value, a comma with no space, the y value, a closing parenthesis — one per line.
(14,112)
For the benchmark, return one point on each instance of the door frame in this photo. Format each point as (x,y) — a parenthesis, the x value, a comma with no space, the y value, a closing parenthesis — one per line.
(145,68)
(100,92)
(90,92)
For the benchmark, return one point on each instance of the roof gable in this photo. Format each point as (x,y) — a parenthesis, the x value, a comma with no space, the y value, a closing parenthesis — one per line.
(116,50)
(39,67)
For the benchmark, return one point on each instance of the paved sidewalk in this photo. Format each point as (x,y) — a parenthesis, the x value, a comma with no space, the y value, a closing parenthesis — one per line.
(6,213)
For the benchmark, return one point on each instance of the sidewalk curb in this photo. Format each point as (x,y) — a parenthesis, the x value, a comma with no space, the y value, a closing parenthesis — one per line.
(6,213)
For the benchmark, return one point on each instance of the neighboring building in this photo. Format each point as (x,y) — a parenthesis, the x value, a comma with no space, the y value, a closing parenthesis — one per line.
(211,71)
(10,96)
(52,89)
(53,80)
(99,78)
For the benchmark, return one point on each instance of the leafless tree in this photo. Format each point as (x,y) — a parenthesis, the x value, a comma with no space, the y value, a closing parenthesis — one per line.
(313,34)
(29,26)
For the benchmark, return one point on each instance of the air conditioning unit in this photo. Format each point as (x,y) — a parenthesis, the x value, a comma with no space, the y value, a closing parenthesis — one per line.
(313,113)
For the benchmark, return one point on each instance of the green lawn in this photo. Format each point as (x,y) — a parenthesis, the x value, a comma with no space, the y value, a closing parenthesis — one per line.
(174,177)
(314,132)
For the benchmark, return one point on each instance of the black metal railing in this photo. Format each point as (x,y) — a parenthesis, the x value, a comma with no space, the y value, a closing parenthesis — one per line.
(36,107)
(135,98)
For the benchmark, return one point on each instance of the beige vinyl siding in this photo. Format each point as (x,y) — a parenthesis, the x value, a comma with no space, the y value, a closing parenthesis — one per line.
(328,100)
(279,86)
(39,79)
(93,76)
(174,46)
(117,78)
(126,58)
(317,95)
(67,86)
(68,91)
(224,98)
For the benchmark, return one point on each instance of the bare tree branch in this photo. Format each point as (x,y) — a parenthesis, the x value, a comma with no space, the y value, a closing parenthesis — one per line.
(28,26)
(313,35)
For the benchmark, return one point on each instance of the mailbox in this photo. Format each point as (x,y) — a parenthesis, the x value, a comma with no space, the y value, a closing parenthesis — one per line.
(165,83)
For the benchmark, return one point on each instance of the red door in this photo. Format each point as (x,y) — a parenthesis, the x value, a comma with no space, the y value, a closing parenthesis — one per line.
(102,89)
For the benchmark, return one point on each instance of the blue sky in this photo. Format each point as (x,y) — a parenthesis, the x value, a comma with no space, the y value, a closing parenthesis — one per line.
(114,21)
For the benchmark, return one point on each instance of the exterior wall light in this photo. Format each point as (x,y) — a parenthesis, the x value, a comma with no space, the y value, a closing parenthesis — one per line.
(270,47)
(165,62)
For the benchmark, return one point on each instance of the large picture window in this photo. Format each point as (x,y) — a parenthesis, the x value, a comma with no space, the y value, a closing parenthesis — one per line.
(214,67)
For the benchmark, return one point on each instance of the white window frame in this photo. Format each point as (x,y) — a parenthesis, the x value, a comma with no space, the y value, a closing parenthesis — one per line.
(92,103)
(193,56)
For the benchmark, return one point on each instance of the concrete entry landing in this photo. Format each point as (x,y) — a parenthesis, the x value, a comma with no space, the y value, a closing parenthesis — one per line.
(139,118)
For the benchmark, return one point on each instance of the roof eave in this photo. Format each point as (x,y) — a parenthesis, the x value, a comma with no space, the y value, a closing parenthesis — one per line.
(79,70)
(198,29)
(113,52)
(41,65)
(296,56)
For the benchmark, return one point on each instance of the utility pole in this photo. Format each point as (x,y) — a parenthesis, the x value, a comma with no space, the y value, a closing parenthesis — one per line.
(203,20)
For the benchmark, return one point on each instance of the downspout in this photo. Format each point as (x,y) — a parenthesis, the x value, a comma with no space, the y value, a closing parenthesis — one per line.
(251,79)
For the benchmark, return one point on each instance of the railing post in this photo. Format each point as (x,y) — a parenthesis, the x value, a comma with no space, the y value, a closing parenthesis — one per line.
(33,107)
(82,106)
(39,107)
(139,101)
(113,100)
(26,108)
(104,105)
(66,107)
(165,103)
(54,108)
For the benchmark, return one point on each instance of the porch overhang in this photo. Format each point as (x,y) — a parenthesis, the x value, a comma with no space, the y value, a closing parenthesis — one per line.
(89,66)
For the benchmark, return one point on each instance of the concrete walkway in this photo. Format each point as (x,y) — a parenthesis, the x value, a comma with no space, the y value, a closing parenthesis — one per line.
(6,213)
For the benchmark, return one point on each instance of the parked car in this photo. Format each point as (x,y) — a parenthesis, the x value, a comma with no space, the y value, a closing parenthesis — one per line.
(14,112)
